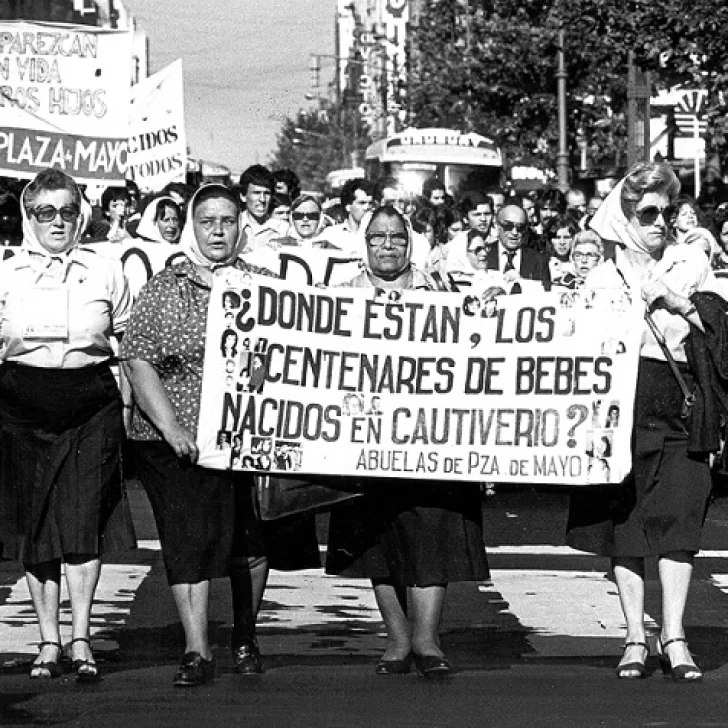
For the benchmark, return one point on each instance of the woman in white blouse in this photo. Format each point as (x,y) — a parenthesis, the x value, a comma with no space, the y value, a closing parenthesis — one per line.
(61,497)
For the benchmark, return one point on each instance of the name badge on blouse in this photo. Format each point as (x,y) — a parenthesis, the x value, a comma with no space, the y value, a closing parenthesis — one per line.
(45,313)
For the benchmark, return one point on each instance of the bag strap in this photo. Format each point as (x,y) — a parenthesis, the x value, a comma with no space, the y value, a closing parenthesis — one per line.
(688,396)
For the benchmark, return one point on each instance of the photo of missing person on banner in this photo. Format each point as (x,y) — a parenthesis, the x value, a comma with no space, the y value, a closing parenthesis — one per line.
(288,456)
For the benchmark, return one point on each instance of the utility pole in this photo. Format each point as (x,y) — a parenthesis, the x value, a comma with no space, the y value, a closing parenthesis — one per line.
(562,157)
(638,113)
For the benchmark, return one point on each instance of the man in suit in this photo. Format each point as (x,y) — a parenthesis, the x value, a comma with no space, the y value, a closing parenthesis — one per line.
(510,256)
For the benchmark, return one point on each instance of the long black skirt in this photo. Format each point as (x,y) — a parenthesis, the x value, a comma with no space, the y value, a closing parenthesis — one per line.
(206,518)
(410,533)
(61,490)
(660,507)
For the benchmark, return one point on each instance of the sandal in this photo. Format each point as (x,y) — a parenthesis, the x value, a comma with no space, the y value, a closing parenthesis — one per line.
(623,669)
(86,670)
(49,669)
(679,673)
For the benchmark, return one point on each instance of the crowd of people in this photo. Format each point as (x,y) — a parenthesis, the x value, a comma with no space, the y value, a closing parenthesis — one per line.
(68,314)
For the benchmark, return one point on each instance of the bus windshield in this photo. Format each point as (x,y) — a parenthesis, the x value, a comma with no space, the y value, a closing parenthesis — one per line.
(463,162)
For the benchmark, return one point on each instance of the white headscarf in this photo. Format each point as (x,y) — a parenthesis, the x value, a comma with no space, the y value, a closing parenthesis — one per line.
(611,223)
(41,258)
(147,227)
(188,241)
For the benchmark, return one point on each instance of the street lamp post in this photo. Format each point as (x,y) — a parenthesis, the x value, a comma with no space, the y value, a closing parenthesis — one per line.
(562,156)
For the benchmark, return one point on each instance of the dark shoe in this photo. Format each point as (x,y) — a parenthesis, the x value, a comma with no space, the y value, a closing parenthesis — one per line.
(246,658)
(194,670)
(394,667)
(432,667)
(623,669)
(86,670)
(680,673)
(50,669)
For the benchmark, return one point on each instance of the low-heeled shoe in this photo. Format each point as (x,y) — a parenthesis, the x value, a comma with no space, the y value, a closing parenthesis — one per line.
(394,667)
(432,666)
(194,670)
(246,658)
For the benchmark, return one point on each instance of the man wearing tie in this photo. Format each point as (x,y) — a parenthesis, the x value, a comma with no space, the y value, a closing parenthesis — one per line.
(510,256)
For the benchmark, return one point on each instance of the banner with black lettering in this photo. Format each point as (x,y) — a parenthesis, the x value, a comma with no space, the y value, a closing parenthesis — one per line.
(305,266)
(64,100)
(534,388)
(157,142)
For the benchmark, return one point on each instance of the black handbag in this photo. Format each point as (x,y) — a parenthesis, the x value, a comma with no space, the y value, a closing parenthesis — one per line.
(278,497)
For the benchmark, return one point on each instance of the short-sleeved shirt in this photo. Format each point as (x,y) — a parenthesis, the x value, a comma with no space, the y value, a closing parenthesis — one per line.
(61,312)
(167,330)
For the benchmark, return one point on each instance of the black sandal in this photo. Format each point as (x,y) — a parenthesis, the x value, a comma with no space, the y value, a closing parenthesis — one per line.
(50,669)
(638,667)
(86,670)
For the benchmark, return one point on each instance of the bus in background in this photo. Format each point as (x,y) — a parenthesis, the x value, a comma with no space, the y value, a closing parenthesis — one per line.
(200,172)
(463,162)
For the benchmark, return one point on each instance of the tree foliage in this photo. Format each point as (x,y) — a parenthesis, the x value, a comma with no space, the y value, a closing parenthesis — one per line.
(491,66)
(315,142)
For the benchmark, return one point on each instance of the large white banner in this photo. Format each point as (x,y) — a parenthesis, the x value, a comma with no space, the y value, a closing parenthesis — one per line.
(157,141)
(64,100)
(532,388)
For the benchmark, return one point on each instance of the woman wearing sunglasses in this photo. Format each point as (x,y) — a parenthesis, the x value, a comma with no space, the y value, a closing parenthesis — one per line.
(307,221)
(658,510)
(61,498)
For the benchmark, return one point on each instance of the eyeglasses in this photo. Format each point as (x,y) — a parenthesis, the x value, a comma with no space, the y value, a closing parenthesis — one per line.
(398,240)
(519,227)
(48,213)
(306,215)
(478,250)
(648,215)
(586,256)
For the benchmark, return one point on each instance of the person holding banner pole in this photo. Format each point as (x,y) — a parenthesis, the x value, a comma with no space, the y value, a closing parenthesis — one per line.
(411,538)
(659,509)
(61,491)
(206,521)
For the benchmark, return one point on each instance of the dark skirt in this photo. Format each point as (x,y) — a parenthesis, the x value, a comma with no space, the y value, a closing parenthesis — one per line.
(206,518)
(660,506)
(409,533)
(61,490)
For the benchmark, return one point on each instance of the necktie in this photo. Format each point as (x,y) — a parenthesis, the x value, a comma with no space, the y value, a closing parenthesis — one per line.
(510,255)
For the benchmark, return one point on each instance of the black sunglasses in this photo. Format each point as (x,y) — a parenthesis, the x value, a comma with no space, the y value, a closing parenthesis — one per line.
(519,227)
(48,213)
(306,215)
(648,215)
(477,250)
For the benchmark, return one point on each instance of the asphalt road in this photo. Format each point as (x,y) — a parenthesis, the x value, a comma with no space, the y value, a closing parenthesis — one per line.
(536,647)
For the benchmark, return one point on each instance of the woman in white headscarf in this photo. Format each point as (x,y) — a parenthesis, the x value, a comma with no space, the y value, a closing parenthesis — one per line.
(161,221)
(658,510)
(205,517)
(61,497)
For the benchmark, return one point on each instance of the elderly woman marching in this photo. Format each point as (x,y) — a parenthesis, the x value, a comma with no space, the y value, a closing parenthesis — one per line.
(61,498)
(658,511)
(410,538)
(205,518)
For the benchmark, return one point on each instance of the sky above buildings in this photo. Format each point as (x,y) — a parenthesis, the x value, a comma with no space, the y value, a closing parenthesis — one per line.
(246,67)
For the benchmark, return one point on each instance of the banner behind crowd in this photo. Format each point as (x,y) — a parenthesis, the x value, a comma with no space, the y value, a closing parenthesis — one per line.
(64,96)
(157,142)
(365,382)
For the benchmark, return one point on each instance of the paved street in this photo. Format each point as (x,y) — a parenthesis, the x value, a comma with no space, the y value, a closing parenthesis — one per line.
(536,647)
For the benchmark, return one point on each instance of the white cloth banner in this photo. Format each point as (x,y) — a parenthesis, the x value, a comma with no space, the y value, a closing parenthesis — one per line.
(530,388)
(64,100)
(157,141)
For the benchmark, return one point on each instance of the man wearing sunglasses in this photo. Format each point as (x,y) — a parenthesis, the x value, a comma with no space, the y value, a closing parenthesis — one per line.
(510,256)
(256,190)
